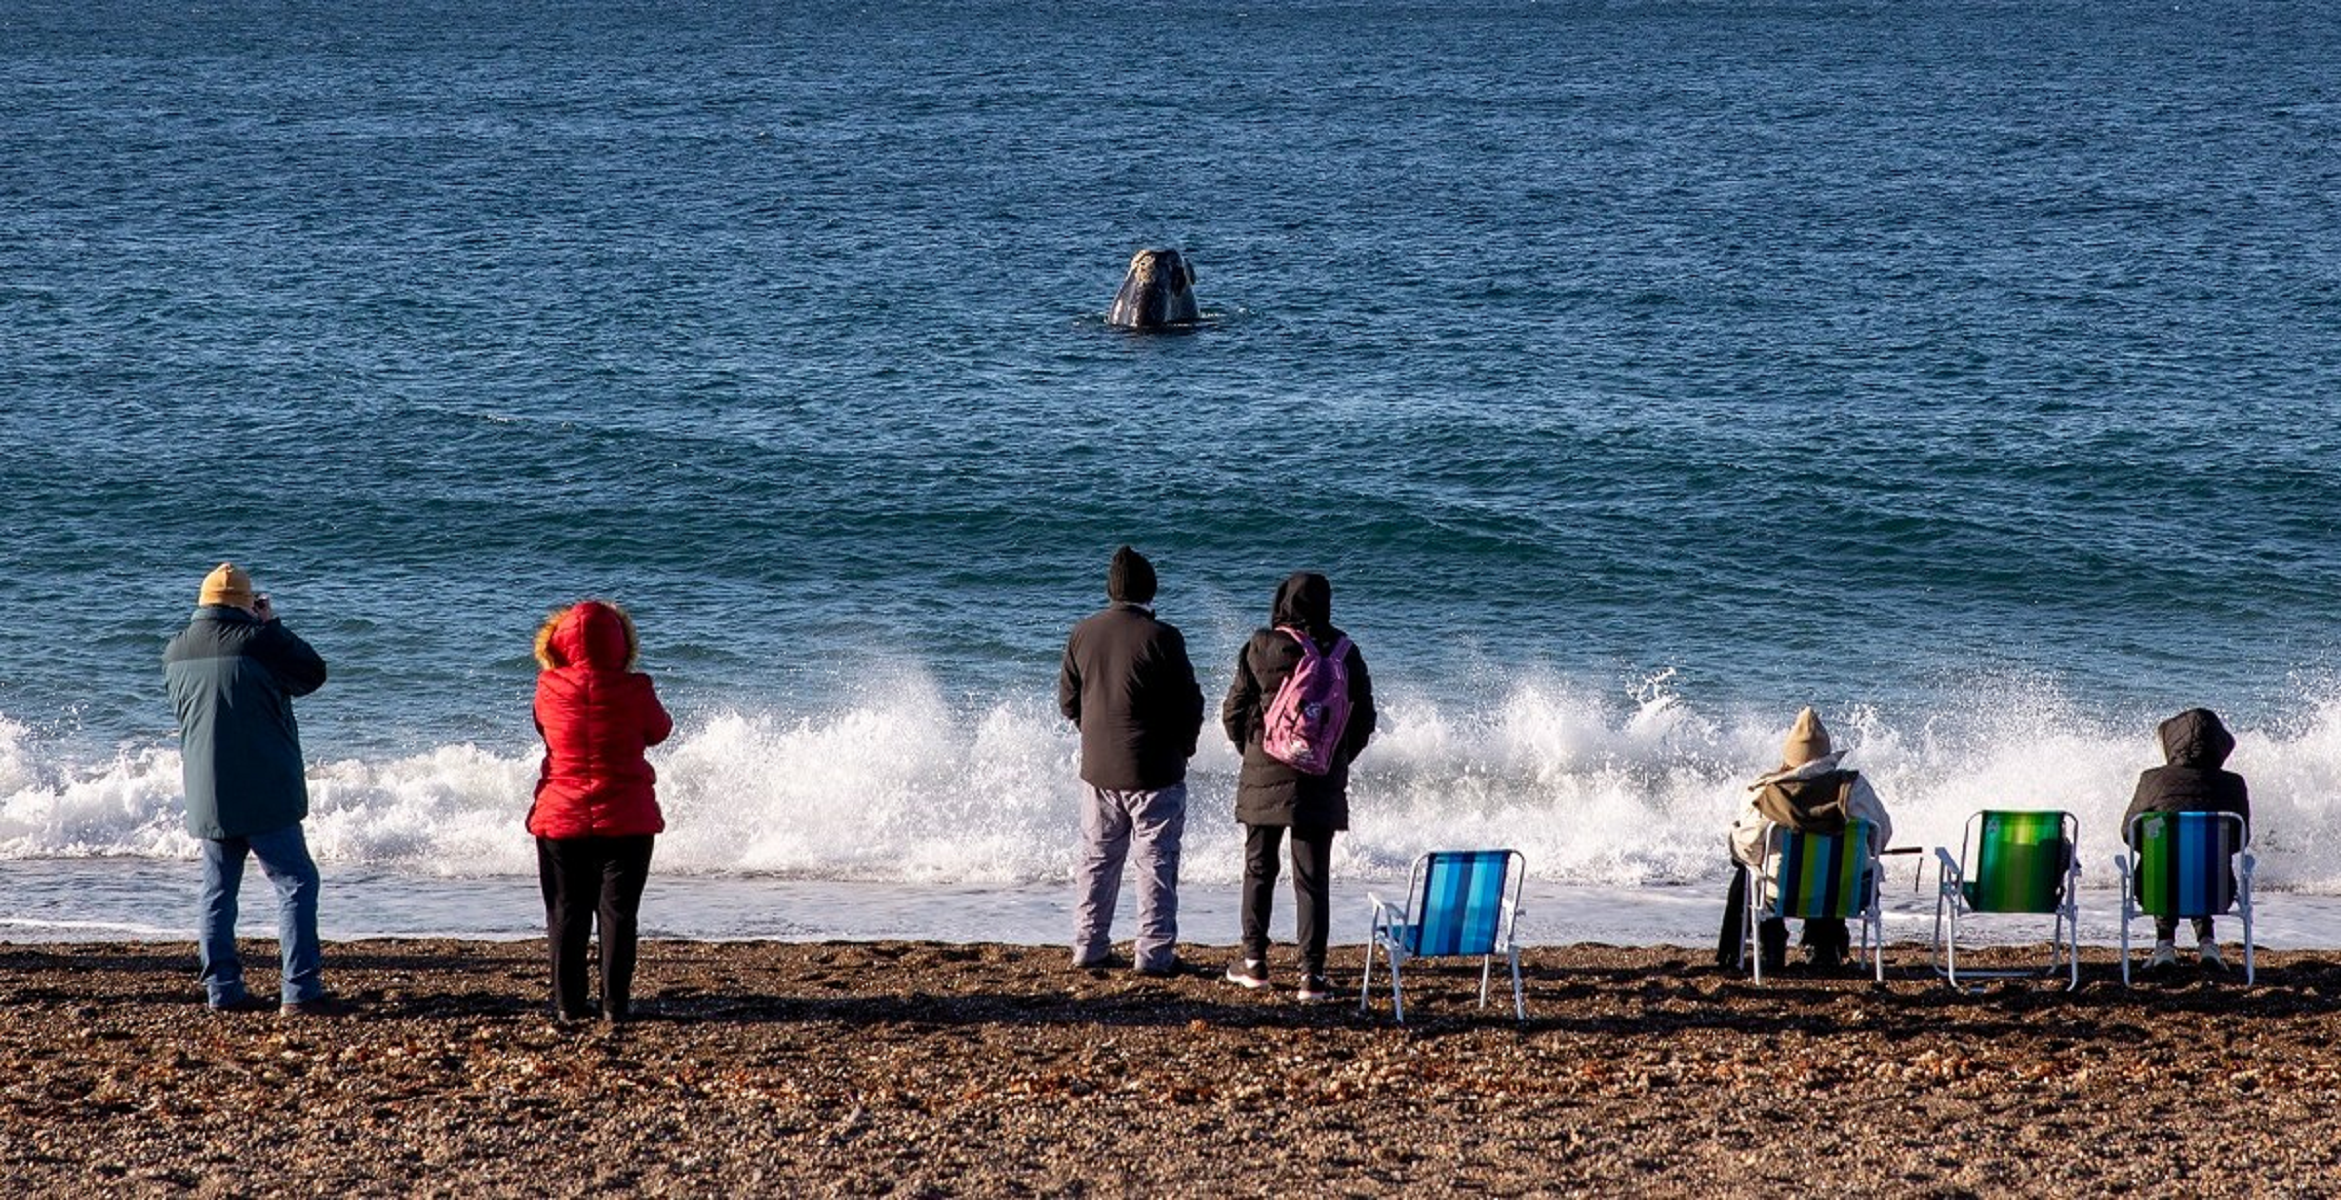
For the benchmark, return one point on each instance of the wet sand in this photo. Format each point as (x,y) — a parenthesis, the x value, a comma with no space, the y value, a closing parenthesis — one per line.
(915,1069)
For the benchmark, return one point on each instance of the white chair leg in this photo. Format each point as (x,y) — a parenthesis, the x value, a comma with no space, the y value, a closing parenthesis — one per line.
(1951,950)
(1397,991)
(2073,945)
(1487,963)
(2250,968)
(1520,997)
(1365,987)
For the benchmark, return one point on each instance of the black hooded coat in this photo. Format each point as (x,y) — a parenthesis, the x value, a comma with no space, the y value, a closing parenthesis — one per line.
(2196,745)
(1269,792)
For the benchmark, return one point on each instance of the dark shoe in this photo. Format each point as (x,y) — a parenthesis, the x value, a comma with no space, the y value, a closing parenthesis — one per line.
(1828,959)
(241,1004)
(1251,974)
(320,1006)
(1314,989)
(1103,962)
(1170,970)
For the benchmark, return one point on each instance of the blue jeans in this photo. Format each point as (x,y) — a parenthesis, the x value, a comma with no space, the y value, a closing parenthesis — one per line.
(284,856)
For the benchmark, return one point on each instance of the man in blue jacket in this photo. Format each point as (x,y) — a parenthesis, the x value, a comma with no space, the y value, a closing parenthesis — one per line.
(232,675)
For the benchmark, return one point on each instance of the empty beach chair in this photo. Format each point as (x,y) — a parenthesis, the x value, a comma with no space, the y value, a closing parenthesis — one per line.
(2187,864)
(2012,862)
(1816,875)
(1459,903)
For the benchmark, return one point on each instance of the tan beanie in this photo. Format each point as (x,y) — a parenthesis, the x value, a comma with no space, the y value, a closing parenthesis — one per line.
(227,584)
(1806,740)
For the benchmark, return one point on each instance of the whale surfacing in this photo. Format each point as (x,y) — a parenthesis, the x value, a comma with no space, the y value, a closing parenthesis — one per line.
(1158,292)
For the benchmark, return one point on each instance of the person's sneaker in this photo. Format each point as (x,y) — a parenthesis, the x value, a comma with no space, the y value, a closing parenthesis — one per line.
(2165,956)
(1313,990)
(1248,973)
(1109,961)
(1826,959)
(2209,952)
(241,1004)
(319,1006)
(1172,969)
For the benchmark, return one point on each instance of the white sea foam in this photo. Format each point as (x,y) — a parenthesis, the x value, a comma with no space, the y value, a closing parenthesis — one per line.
(908,786)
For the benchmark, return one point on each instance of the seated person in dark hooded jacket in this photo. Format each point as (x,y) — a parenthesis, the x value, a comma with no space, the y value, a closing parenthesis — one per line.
(2195,745)
(1813,794)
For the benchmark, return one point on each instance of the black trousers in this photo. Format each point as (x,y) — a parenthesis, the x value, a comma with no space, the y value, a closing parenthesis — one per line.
(1312,882)
(1820,934)
(584,878)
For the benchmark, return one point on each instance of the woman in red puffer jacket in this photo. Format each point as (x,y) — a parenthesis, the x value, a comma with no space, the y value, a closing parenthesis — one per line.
(596,811)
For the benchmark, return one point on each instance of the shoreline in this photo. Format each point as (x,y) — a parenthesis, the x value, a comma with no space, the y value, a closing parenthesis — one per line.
(75,900)
(933,1069)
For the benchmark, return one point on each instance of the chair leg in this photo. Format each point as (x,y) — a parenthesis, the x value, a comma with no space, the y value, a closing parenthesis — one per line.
(1397,991)
(1487,963)
(2250,969)
(1365,987)
(1951,952)
(2125,934)
(1520,998)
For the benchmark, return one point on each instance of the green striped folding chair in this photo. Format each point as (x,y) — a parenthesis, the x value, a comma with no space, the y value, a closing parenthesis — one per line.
(1459,903)
(1816,875)
(2187,864)
(2012,862)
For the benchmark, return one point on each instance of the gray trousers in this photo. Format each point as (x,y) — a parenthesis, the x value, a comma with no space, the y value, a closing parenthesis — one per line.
(1110,822)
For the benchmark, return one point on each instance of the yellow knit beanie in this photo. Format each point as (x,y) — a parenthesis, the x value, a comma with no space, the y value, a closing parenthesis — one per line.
(227,584)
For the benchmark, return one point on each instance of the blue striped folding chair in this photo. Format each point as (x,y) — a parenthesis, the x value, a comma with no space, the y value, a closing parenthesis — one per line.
(1805,875)
(2187,864)
(1459,903)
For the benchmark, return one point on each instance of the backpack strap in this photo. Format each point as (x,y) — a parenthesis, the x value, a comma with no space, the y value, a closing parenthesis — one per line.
(1339,653)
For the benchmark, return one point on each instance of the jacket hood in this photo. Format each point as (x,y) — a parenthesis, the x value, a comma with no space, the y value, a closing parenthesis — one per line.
(1809,769)
(1130,578)
(1305,601)
(594,634)
(2195,738)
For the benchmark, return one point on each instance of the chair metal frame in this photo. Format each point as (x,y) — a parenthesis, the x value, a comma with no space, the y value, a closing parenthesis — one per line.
(1867,906)
(2132,861)
(1951,900)
(1396,931)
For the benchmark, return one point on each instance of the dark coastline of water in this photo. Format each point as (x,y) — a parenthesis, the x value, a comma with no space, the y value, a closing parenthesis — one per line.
(1968,366)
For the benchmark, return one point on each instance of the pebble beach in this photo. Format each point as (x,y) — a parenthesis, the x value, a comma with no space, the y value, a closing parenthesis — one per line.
(925,1069)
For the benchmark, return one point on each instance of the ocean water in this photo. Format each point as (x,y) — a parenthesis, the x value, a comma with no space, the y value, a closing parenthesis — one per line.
(1639,372)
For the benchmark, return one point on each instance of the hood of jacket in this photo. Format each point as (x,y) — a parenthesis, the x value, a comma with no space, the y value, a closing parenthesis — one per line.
(1305,602)
(1810,770)
(2195,738)
(592,634)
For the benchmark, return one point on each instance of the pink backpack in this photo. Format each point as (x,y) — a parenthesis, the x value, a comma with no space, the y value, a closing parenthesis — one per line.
(1311,708)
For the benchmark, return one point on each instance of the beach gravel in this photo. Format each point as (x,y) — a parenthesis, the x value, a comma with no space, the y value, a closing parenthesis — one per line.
(914,1069)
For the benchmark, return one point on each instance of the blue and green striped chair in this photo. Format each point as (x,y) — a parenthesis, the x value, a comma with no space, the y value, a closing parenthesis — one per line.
(1805,875)
(2187,864)
(2012,862)
(1459,903)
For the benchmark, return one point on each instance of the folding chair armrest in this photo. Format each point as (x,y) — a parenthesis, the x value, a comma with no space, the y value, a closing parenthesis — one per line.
(1948,872)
